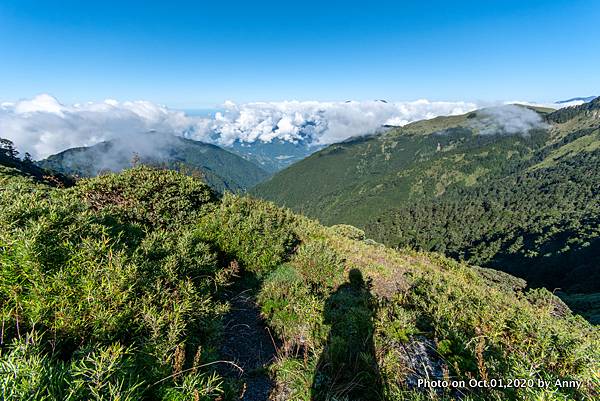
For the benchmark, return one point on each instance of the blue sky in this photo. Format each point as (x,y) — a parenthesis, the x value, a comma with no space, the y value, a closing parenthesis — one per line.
(195,54)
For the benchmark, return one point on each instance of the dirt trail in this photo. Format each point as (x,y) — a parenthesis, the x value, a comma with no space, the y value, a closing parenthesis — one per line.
(247,342)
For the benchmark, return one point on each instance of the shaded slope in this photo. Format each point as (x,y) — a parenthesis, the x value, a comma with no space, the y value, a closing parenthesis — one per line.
(222,170)
(25,167)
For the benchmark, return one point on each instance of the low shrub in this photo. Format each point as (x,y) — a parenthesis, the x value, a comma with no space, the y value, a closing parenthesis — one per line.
(149,196)
(256,233)
(319,265)
(348,231)
(292,310)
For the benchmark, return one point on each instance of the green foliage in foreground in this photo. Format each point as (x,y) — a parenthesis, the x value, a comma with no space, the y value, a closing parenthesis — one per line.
(259,237)
(105,290)
(109,291)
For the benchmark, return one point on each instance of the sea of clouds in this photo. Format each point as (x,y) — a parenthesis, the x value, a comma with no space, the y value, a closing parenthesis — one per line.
(43,126)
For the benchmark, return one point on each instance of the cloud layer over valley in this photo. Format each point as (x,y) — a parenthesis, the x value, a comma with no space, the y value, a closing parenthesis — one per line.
(43,126)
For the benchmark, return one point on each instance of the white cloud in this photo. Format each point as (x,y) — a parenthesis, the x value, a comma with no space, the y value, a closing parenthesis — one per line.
(42,103)
(43,126)
(320,122)
(508,119)
(547,105)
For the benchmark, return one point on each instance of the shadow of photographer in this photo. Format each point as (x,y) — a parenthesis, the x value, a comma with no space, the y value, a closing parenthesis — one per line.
(347,369)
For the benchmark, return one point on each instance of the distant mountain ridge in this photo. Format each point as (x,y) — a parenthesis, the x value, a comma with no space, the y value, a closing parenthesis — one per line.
(223,170)
(575,99)
(9,158)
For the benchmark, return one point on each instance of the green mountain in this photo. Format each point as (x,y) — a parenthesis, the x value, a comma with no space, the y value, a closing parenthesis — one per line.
(517,191)
(147,285)
(222,170)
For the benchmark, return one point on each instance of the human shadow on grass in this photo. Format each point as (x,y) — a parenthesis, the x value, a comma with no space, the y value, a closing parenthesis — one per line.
(347,369)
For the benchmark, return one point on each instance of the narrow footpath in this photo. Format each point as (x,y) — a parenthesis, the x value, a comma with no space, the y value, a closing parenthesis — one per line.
(248,343)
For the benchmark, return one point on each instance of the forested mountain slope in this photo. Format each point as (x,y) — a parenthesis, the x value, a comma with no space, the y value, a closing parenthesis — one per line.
(24,166)
(474,186)
(222,169)
(354,180)
(120,288)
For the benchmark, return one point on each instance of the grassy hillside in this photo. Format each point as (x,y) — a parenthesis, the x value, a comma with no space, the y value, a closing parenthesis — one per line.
(120,288)
(527,202)
(221,169)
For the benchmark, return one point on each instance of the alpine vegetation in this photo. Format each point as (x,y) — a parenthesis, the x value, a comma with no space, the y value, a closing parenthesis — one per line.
(121,287)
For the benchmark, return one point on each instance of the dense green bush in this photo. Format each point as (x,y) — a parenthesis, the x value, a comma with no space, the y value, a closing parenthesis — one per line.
(257,233)
(293,311)
(118,285)
(320,266)
(155,198)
